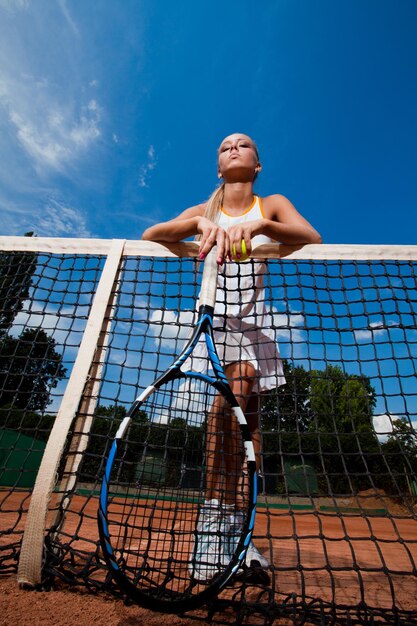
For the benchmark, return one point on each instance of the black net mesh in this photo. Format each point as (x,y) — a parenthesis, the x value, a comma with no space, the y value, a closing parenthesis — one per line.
(338,483)
(44,305)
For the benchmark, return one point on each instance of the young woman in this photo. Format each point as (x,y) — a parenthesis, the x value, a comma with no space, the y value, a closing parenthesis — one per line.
(245,340)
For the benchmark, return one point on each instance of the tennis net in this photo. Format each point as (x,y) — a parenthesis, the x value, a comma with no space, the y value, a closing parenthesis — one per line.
(85,325)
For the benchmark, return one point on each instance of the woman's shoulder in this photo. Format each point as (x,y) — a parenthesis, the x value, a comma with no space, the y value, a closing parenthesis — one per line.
(197,209)
(191,211)
(274,203)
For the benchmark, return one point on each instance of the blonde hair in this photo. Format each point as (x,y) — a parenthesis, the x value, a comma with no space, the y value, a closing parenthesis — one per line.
(214,204)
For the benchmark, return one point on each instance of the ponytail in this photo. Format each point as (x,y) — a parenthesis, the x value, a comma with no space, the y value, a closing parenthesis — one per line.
(214,205)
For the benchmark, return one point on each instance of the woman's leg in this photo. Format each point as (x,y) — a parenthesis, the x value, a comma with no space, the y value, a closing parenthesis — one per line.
(252,414)
(223,438)
(220,519)
(218,525)
(253,411)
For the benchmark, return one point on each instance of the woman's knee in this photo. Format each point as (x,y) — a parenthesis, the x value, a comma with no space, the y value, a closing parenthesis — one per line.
(244,370)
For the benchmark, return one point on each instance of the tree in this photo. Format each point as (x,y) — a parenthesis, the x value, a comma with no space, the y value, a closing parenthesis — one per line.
(403,437)
(26,422)
(325,419)
(288,407)
(342,405)
(150,451)
(16,271)
(285,418)
(107,419)
(400,456)
(343,400)
(30,367)
(184,450)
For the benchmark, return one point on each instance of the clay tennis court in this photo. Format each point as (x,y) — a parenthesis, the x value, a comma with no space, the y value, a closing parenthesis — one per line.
(339,559)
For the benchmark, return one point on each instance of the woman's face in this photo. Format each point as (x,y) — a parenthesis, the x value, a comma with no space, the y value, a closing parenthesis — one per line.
(237,155)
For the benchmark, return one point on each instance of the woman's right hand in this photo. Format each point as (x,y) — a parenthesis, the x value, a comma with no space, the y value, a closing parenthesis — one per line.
(211,235)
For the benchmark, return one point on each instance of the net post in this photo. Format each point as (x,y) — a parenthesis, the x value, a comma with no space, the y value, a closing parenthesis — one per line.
(31,554)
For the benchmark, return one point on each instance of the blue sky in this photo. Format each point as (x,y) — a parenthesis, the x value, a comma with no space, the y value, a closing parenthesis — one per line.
(111,112)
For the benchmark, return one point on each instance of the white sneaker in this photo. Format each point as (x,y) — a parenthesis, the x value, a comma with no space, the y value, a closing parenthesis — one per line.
(209,556)
(235,531)
(253,554)
(235,521)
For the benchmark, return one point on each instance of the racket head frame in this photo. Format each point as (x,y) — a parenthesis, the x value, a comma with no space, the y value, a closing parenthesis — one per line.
(174,602)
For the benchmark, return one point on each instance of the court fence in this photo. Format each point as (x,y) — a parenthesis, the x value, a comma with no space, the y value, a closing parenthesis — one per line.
(86,324)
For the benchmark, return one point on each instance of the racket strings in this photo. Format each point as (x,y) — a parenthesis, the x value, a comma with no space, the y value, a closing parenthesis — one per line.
(159,500)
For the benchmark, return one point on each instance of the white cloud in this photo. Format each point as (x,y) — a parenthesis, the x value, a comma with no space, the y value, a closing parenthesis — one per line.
(290,331)
(14,5)
(151,157)
(50,120)
(186,403)
(53,219)
(375,329)
(53,133)
(383,425)
(56,140)
(147,168)
(57,220)
(288,324)
(65,324)
(169,328)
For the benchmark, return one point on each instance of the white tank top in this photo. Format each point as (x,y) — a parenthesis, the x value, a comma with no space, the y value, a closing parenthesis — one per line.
(240,293)
(254,212)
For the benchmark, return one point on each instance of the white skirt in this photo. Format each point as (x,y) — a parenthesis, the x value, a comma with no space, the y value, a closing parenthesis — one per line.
(237,341)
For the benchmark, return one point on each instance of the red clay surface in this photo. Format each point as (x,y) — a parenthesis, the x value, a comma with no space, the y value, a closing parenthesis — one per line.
(327,556)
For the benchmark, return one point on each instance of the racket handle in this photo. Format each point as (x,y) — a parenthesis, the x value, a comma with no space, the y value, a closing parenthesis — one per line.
(209,280)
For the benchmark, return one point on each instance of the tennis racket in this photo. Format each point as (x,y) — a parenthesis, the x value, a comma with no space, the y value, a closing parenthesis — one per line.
(178,496)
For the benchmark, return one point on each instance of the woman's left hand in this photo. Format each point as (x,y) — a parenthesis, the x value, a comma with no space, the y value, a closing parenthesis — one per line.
(245,231)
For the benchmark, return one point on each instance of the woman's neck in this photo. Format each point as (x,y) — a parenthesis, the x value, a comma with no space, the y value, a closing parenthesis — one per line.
(237,196)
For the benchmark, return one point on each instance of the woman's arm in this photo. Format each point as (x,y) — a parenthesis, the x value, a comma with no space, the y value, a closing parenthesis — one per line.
(192,222)
(183,226)
(282,222)
(286,224)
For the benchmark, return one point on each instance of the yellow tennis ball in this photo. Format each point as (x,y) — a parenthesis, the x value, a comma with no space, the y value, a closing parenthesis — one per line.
(243,255)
